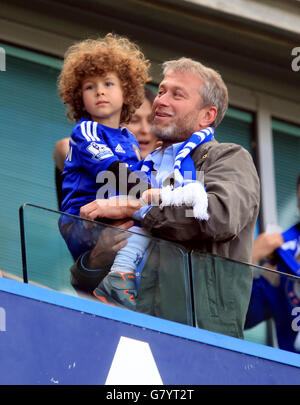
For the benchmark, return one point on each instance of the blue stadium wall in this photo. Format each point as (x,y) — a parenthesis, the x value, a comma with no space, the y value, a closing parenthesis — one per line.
(49,338)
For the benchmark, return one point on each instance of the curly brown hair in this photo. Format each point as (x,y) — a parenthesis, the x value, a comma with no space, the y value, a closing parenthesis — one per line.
(97,57)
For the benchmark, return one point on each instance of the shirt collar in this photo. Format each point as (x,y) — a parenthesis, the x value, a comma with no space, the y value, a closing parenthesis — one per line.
(157,155)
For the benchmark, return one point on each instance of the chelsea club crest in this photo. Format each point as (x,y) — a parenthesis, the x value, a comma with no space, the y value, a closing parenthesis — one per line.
(137,152)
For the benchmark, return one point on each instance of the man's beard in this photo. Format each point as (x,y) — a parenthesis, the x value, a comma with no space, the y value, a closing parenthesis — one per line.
(179,130)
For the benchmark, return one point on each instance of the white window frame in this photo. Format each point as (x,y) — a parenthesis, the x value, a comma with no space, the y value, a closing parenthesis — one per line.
(265,107)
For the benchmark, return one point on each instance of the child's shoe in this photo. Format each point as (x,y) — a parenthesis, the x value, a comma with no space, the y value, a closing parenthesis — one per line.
(117,289)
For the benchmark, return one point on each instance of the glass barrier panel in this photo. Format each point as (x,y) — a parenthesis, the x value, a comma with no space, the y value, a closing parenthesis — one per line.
(69,254)
(45,256)
(240,300)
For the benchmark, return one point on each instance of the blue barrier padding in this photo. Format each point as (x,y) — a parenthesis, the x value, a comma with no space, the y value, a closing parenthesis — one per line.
(149,322)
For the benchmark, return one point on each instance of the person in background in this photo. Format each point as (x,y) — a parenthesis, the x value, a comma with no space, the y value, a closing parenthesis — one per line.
(59,156)
(276,296)
(140,125)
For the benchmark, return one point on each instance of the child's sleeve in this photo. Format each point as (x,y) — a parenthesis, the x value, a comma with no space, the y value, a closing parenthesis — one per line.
(97,158)
(94,154)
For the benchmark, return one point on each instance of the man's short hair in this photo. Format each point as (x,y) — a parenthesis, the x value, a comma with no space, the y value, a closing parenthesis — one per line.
(213,92)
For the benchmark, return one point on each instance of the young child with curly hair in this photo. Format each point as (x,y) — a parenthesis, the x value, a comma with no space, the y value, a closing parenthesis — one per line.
(102,83)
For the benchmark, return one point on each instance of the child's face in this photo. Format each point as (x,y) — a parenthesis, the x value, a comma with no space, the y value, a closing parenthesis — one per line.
(103,99)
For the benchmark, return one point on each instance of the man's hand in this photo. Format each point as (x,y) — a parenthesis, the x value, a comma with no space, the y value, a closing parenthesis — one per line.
(109,242)
(265,244)
(151,196)
(114,208)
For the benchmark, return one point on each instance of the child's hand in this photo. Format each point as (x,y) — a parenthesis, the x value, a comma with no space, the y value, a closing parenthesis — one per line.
(112,208)
(151,197)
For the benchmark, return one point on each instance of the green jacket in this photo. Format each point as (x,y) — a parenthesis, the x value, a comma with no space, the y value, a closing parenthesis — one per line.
(221,288)
(220,293)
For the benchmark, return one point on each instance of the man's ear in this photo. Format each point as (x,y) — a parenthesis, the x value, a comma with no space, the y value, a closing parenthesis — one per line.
(207,116)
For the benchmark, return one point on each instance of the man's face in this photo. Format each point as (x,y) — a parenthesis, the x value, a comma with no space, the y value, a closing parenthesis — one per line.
(176,109)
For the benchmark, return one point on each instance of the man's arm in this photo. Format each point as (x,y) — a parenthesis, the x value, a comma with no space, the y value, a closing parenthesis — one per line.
(232,187)
(91,267)
(60,153)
